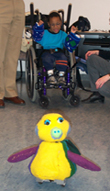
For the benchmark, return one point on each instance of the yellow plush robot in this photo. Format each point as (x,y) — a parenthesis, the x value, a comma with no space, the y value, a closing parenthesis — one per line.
(51,161)
(55,157)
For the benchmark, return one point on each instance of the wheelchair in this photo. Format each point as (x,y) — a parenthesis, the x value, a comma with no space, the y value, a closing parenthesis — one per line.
(35,72)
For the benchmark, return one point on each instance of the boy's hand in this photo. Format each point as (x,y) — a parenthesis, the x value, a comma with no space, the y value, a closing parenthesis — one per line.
(40,22)
(73,29)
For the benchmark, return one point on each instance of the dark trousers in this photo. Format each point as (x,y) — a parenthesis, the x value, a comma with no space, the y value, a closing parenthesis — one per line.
(57,60)
(97,67)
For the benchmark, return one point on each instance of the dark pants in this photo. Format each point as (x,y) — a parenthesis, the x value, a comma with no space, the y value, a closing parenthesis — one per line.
(57,60)
(97,67)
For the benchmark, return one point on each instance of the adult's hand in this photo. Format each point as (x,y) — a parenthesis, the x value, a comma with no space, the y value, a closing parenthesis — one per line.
(91,52)
(101,81)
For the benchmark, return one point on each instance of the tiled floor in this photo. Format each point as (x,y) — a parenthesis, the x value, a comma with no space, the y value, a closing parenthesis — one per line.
(90,131)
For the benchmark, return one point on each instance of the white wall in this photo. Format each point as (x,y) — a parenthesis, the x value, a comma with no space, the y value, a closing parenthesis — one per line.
(97,11)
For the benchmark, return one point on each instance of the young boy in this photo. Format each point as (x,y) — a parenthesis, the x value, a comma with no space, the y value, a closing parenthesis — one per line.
(53,41)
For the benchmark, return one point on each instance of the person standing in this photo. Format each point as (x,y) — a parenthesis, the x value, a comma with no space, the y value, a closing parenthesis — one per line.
(12,19)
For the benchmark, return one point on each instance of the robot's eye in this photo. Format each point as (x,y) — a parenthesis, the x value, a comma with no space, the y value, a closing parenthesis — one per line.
(60,119)
(47,122)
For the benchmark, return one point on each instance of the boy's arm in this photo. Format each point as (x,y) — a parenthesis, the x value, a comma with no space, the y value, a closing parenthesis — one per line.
(72,41)
(38,31)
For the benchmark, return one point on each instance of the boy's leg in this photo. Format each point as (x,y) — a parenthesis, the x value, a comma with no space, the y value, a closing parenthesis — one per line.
(61,61)
(48,62)
(61,65)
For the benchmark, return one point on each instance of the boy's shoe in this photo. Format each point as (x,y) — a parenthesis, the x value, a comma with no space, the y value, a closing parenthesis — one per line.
(61,80)
(51,80)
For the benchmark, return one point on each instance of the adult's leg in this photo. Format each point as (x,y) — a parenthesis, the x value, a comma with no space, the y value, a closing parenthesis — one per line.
(105,89)
(97,67)
(5,20)
(13,47)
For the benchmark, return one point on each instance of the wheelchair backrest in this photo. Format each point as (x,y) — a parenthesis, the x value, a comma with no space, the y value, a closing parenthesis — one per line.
(35,16)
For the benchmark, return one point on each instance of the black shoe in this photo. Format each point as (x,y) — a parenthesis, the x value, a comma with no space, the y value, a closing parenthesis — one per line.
(95,96)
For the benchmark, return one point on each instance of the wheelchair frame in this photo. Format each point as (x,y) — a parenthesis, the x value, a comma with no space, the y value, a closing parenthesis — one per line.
(36,76)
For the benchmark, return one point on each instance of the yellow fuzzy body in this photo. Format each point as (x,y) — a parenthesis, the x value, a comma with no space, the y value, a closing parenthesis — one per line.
(50,162)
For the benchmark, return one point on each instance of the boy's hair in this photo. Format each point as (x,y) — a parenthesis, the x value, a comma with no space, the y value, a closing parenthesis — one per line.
(53,14)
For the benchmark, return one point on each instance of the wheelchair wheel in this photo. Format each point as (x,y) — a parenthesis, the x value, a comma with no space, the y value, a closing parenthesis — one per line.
(44,102)
(74,100)
(31,74)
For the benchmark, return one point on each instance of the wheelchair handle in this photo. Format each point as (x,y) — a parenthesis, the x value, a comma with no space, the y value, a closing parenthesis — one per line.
(62,12)
(32,14)
(68,17)
(38,14)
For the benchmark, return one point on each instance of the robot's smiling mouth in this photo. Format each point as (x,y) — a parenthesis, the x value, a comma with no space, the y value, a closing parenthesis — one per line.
(56,133)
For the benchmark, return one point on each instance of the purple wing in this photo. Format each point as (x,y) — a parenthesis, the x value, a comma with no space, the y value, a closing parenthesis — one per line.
(23,154)
(81,161)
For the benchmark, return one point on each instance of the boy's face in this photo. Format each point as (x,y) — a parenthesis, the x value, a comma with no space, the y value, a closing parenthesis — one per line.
(55,24)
